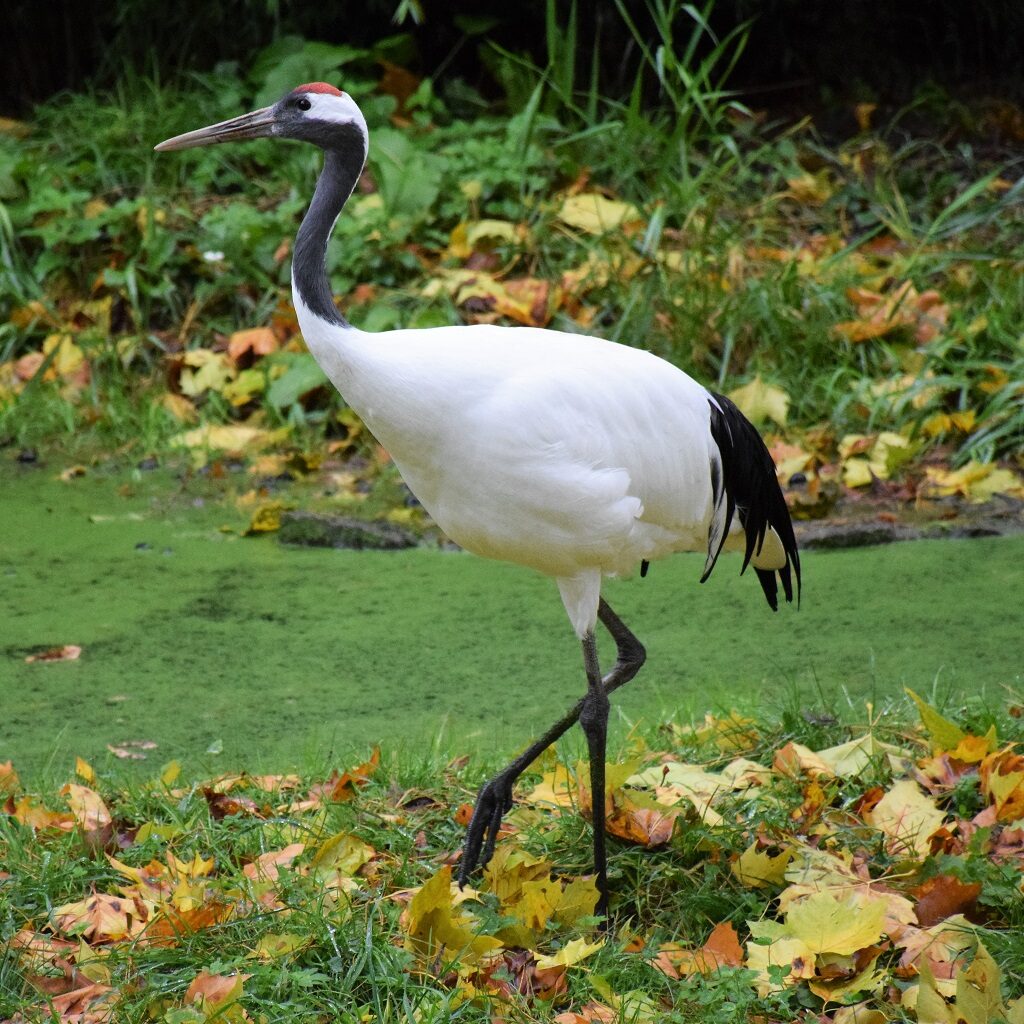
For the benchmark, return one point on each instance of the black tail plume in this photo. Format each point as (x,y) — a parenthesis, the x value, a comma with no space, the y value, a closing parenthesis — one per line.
(749,487)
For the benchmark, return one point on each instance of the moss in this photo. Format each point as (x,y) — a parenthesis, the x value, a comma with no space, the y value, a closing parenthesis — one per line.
(193,637)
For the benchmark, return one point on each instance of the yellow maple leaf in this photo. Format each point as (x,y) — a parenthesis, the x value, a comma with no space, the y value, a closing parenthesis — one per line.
(68,358)
(727,732)
(571,953)
(272,946)
(811,189)
(205,370)
(1002,782)
(596,214)
(794,759)
(859,1014)
(756,868)
(578,899)
(827,923)
(266,518)
(908,816)
(976,997)
(782,951)
(433,928)
(848,760)
(343,853)
(470,236)
(759,401)
(555,789)
(977,481)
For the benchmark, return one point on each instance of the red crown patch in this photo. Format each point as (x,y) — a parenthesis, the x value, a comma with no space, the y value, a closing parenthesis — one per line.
(318,87)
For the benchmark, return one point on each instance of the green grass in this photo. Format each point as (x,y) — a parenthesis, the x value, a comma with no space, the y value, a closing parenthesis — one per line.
(195,638)
(348,960)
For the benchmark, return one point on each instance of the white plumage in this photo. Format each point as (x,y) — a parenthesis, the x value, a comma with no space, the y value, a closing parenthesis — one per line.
(574,456)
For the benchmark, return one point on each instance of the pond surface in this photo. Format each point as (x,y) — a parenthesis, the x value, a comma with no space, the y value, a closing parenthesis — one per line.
(199,639)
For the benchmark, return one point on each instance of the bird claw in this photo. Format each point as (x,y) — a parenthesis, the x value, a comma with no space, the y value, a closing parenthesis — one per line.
(492,802)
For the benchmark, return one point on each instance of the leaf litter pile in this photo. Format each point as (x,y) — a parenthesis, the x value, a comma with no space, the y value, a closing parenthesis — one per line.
(753,880)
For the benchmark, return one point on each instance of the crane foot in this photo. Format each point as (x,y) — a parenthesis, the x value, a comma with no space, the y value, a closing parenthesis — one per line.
(492,802)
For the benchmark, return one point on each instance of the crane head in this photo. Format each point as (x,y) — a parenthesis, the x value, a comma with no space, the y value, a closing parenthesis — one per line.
(315,112)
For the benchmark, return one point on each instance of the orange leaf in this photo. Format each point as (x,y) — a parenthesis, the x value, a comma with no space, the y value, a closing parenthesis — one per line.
(87,806)
(90,1004)
(168,927)
(223,806)
(215,990)
(722,949)
(340,788)
(99,918)
(266,865)
(644,825)
(34,815)
(259,341)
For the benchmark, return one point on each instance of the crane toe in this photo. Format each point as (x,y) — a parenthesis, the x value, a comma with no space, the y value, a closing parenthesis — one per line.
(493,801)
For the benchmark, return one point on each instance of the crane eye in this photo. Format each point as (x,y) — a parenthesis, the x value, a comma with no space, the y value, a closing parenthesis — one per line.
(304,104)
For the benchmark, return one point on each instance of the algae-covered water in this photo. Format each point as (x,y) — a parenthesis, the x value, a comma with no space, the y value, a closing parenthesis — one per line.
(202,640)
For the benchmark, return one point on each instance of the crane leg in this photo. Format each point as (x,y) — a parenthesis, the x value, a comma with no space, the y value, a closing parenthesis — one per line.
(495,797)
(594,720)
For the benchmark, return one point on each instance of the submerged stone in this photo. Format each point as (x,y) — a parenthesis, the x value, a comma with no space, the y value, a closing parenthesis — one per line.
(318,530)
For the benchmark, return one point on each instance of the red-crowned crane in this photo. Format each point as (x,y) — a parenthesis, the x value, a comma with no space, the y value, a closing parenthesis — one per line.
(569,454)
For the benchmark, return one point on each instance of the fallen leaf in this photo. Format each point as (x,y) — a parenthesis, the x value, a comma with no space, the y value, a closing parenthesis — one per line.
(571,953)
(908,816)
(595,214)
(435,928)
(9,781)
(204,370)
(722,949)
(343,853)
(759,868)
(229,437)
(1002,783)
(266,518)
(274,946)
(267,866)
(825,923)
(256,341)
(759,401)
(87,806)
(555,789)
(98,918)
(942,896)
(68,652)
(215,991)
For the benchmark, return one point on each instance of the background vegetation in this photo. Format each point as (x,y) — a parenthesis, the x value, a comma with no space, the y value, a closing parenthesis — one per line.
(873,279)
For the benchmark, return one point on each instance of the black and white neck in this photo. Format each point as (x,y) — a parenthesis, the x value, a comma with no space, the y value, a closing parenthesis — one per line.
(335,124)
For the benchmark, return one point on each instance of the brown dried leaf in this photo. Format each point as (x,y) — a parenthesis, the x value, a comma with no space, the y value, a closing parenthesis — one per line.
(943,896)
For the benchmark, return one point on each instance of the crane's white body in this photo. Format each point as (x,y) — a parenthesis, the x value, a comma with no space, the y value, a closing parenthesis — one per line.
(573,455)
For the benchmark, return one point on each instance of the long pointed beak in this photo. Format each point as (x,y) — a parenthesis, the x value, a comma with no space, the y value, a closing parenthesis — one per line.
(257,125)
